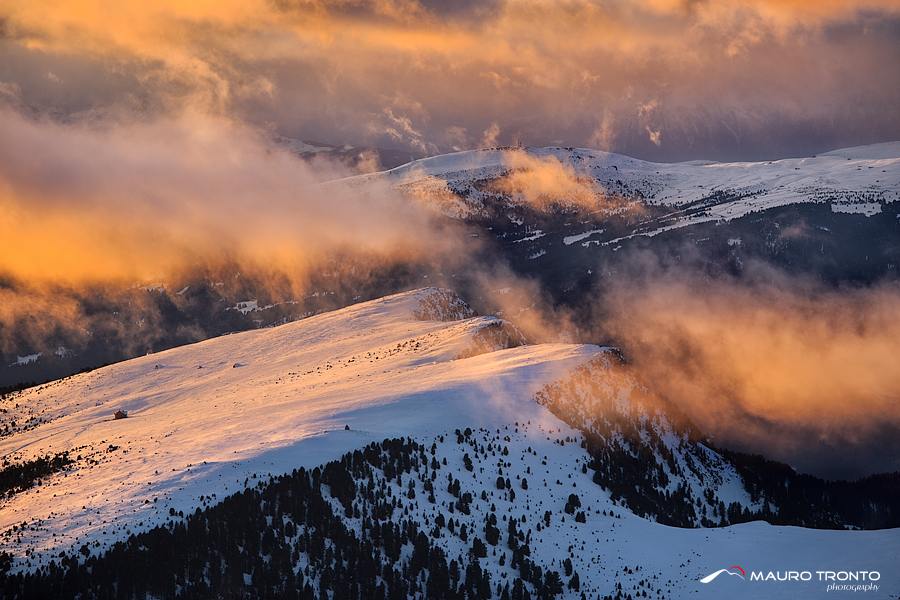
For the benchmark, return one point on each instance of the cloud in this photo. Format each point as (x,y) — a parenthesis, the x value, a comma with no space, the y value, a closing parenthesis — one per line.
(400,129)
(780,363)
(489,140)
(545,181)
(604,134)
(784,75)
(189,199)
(11,90)
(130,200)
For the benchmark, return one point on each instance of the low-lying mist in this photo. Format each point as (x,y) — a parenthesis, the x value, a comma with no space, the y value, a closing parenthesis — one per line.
(128,235)
(769,363)
(133,199)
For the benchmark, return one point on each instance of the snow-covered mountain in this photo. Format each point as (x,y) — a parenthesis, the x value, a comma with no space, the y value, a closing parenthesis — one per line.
(461,462)
(470,185)
(573,218)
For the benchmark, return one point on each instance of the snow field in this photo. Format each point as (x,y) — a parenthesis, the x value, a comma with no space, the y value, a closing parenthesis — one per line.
(204,419)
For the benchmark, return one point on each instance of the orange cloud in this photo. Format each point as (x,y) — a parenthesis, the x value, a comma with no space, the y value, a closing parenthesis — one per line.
(136,200)
(545,181)
(752,363)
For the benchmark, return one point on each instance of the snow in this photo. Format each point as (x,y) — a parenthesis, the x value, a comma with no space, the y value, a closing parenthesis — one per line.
(872,151)
(457,161)
(155,287)
(206,418)
(601,549)
(537,234)
(24,360)
(571,239)
(246,307)
(866,208)
(298,147)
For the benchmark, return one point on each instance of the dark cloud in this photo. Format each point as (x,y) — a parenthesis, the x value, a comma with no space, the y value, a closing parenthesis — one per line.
(70,83)
(660,79)
(399,11)
(470,11)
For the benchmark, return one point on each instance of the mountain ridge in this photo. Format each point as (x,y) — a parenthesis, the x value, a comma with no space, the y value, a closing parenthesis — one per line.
(335,384)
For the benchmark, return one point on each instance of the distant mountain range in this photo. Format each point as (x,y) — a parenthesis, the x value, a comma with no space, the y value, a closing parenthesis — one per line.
(558,212)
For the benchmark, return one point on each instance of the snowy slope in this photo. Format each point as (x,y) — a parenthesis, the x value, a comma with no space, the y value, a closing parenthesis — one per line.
(624,419)
(207,420)
(613,546)
(203,418)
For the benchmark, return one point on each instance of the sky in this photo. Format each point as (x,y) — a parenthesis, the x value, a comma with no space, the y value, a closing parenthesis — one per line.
(657,79)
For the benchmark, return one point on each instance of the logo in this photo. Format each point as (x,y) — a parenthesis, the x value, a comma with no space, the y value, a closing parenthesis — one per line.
(836,580)
(730,571)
